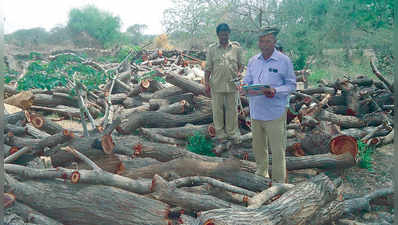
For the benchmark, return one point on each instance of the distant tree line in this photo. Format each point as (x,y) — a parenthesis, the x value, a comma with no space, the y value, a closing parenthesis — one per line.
(86,27)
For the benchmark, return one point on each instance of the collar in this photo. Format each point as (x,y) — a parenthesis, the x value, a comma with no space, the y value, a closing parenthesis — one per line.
(274,56)
(229,44)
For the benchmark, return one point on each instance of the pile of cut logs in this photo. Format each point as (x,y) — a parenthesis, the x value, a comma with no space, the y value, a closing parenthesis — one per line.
(133,167)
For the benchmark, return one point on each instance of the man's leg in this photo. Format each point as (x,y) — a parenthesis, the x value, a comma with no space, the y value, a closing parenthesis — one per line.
(231,115)
(260,148)
(276,132)
(217,102)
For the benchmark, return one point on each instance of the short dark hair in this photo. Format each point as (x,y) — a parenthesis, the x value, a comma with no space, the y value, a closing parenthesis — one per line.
(223,27)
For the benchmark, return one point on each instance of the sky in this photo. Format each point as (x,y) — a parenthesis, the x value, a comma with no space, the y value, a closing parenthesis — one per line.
(26,14)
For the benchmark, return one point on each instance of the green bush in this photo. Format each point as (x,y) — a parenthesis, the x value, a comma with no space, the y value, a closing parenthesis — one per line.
(365,155)
(199,144)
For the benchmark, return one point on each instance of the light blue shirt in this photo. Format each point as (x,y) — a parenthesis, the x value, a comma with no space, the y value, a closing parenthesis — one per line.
(277,72)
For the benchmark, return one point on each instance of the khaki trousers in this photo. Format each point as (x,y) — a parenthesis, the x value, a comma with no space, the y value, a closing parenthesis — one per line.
(270,134)
(225,103)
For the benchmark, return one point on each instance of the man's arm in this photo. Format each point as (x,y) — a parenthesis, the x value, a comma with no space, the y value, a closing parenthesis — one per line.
(290,82)
(208,69)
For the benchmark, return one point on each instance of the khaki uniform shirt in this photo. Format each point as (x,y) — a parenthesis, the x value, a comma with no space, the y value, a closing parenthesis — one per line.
(223,63)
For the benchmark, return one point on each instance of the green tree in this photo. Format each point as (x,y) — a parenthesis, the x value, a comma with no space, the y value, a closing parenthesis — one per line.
(97,24)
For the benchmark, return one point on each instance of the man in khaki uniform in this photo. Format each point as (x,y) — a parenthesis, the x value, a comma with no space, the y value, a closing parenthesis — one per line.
(224,63)
(268,112)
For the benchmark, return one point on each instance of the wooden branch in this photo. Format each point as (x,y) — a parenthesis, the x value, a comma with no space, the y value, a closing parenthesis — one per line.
(380,76)
(11,158)
(85,176)
(259,199)
(164,192)
(164,120)
(82,157)
(196,180)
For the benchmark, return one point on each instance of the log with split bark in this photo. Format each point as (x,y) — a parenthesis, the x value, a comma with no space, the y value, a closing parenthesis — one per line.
(78,203)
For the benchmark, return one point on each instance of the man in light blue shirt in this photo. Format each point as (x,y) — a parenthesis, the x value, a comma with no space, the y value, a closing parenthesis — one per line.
(268,111)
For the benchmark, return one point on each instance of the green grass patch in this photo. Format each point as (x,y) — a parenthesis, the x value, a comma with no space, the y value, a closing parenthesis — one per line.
(200,144)
(365,155)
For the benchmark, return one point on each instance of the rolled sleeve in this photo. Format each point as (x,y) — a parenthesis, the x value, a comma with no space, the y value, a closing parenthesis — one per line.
(289,81)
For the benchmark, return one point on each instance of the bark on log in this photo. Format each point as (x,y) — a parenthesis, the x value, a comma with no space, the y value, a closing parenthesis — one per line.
(160,138)
(181,107)
(185,84)
(45,124)
(80,203)
(16,130)
(319,90)
(336,100)
(336,209)
(296,206)
(185,131)
(15,117)
(83,176)
(31,215)
(190,201)
(167,92)
(164,120)
(259,199)
(351,121)
(33,131)
(60,109)
(54,100)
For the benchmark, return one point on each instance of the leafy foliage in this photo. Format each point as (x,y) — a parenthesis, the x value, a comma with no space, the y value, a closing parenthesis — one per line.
(47,75)
(199,144)
(365,155)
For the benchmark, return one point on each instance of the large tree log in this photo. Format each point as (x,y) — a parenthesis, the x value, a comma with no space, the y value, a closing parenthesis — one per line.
(80,203)
(181,107)
(167,92)
(163,152)
(336,209)
(319,90)
(296,206)
(164,120)
(54,100)
(185,167)
(185,84)
(351,121)
(33,131)
(160,138)
(185,131)
(45,124)
(15,117)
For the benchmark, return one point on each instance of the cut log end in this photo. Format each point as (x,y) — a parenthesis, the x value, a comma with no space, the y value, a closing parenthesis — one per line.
(145,84)
(75,177)
(342,144)
(13,150)
(107,144)
(8,199)
(210,222)
(37,122)
(211,130)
